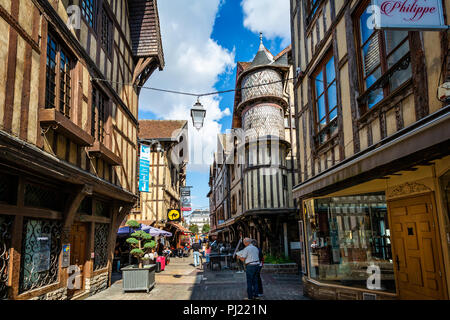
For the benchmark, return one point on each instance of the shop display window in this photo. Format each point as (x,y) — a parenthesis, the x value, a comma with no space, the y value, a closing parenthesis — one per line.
(348,241)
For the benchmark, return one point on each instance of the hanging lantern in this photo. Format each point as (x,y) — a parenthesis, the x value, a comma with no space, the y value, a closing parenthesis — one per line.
(198,115)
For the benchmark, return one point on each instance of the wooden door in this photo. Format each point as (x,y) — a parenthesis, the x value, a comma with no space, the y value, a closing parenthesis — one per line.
(78,240)
(417,255)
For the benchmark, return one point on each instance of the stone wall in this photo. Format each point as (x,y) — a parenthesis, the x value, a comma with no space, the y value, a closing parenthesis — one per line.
(284,268)
(96,284)
(60,294)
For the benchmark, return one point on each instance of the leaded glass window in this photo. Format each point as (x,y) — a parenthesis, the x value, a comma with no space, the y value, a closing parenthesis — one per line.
(106,35)
(98,120)
(41,246)
(88,10)
(58,77)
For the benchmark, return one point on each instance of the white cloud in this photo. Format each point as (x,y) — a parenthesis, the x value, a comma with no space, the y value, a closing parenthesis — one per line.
(269,17)
(194,62)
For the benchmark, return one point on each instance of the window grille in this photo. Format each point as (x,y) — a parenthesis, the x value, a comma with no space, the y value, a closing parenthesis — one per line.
(88,11)
(101,246)
(41,247)
(5,246)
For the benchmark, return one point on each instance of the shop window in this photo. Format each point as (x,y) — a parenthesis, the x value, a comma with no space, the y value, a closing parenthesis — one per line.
(101,209)
(384,57)
(44,197)
(85,206)
(346,236)
(58,77)
(41,247)
(324,83)
(101,246)
(5,246)
(8,189)
(88,9)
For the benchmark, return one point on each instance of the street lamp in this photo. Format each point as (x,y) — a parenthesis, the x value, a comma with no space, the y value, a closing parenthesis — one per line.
(153,142)
(198,115)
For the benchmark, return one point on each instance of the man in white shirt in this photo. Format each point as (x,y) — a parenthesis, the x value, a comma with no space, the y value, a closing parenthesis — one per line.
(250,256)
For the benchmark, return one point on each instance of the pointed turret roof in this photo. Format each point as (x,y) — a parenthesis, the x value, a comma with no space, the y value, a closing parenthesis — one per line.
(263,57)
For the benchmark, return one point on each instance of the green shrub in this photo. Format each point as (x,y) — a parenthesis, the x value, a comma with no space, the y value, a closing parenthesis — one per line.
(140,242)
(276,259)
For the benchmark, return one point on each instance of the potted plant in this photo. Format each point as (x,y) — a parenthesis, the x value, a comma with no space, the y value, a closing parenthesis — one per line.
(139,277)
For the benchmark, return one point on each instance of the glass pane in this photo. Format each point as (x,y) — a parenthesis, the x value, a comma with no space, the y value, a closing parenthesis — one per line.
(364,22)
(398,54)
(400,77)
(321,112)
(333,114)
(332,96)
(370,80)
(375,97)
(393,39)
(319,84)
(331,71)
(371,55)
(345,236)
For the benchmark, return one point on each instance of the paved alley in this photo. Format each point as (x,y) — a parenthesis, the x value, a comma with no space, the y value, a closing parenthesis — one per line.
(182,281)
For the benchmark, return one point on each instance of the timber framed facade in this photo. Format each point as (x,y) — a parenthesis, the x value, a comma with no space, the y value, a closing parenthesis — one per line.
(68,139)
(255,165)
(373,190)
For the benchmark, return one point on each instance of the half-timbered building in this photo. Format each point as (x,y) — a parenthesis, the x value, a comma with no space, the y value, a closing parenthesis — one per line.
(253,172)
(168,159)
(68,138)
(373,152)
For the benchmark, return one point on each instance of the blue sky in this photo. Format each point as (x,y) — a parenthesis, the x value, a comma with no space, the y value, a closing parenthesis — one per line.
(202,41)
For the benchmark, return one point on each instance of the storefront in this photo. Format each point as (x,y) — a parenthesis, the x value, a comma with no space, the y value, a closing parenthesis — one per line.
(381,239)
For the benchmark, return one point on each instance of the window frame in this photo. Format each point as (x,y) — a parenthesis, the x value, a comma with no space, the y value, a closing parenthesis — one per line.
(386,71)
(94,12)
(110,29)
(98,124)
(71,61)
(321,68)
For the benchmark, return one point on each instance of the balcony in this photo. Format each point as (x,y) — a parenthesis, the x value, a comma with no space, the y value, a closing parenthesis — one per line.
(99,150)
(63,125)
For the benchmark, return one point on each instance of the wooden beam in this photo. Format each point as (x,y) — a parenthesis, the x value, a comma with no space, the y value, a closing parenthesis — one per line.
(74,204)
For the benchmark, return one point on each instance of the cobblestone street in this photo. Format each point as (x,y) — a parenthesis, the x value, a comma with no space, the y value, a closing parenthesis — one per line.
(181,281)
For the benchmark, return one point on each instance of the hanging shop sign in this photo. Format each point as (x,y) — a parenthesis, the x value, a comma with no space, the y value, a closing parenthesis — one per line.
(144,169)
(185,199)
(407,14)
(173,215)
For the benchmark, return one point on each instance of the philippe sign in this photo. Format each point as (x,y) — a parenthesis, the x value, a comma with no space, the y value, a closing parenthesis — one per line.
(408,14)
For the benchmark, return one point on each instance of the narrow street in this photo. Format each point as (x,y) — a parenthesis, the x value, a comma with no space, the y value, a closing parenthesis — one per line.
(182,281)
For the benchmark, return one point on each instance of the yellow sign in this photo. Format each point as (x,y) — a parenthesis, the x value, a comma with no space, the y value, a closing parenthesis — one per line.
(173,215)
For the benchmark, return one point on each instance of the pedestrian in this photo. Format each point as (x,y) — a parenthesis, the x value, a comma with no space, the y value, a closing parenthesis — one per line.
(207,252)
(159,248)
(250,256)
(196,253)
(261,263)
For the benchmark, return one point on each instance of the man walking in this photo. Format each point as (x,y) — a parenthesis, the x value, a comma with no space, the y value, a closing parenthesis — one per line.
(196,253)
(250,256)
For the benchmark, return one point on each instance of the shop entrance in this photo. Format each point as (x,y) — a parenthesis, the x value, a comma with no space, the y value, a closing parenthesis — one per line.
(417,255)
(78,236)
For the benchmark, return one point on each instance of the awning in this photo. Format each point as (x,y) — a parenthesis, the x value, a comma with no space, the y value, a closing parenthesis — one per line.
(179,227)
(155,231)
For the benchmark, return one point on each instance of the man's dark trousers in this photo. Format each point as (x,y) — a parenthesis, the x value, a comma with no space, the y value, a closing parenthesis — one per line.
(252,280)
(258,274)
